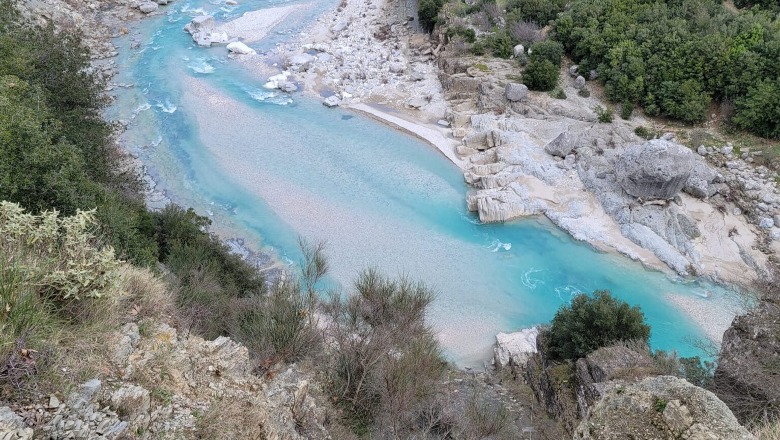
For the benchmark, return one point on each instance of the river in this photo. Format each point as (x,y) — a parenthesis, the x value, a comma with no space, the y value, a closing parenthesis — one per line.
(271,167)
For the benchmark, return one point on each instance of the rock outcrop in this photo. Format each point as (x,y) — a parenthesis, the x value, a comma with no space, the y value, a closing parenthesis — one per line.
(657,169)
(174,386)
(617,393)
(660,408)
(514,349)
(747,375)
(204,32)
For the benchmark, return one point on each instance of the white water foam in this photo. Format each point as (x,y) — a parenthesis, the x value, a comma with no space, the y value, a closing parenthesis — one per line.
(529,282)
(200,65)
(567,293)
(496,245)
(141,108)
(167,106)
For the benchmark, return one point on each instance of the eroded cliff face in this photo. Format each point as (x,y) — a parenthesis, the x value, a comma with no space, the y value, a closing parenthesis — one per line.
(748,373)
(618,393)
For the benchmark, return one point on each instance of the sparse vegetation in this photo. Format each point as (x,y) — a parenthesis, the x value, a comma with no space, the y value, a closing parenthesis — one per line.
(387,361)
(605,115)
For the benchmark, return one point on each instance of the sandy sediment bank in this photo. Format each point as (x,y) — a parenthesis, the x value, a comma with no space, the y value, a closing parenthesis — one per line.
(255,25)
(432,136)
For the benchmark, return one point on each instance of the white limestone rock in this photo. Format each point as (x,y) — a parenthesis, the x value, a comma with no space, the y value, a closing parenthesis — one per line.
(515,348)
(240,48)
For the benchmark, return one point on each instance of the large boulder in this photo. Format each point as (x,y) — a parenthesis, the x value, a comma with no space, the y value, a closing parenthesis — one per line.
(699,183)
(562,146)
(240,48)
(660,408)
(203,31)
(148,7)
(515,348)
(657,169)
(516,92)
(300,62)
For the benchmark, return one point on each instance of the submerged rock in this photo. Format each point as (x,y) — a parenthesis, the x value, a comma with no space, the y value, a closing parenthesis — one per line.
(656,169)
(331,101)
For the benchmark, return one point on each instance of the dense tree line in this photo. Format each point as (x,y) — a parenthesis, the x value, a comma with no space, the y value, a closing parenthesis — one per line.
(675,58)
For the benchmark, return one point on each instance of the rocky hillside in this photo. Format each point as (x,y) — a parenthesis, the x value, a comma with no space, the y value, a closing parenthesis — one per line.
(621,392)
(154,381)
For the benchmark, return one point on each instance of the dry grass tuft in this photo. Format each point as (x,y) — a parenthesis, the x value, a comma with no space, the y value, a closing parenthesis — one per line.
(231,418)
(145,295)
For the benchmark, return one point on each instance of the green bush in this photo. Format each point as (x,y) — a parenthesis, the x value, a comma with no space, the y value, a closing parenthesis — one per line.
(583,92)
(387,360)
(759,111)
(501,44)
(558,93)
(591,322)
(61,257)
(644,133)
(549,50)
(468,34)
(605,115)
(478,48)
(626,109)
(428,13)
(541,75)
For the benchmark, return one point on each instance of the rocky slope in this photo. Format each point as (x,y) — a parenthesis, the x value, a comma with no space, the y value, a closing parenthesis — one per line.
(749,362)
(620,392)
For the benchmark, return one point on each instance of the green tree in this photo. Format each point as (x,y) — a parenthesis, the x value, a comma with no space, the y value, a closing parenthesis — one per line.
(591,322)
(759,111)
(428,13)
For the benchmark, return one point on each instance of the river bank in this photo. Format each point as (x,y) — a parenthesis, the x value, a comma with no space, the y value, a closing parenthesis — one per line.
(396,79)
(497,294)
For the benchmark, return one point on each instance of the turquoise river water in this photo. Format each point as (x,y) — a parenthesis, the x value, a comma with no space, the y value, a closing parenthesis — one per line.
(270,167)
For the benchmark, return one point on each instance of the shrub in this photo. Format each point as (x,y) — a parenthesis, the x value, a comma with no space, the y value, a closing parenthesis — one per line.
(525,31)
(538,11)
(541,75)
(583,92)
(468,34)
(591,322)
(551,51)
(626,109)
(501,44)
(282,326)
(644,133)
(485,419)
(558,93)
(386,360)
(428,13)
(478,48)
(61,257)
(759,111)
(605,115)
